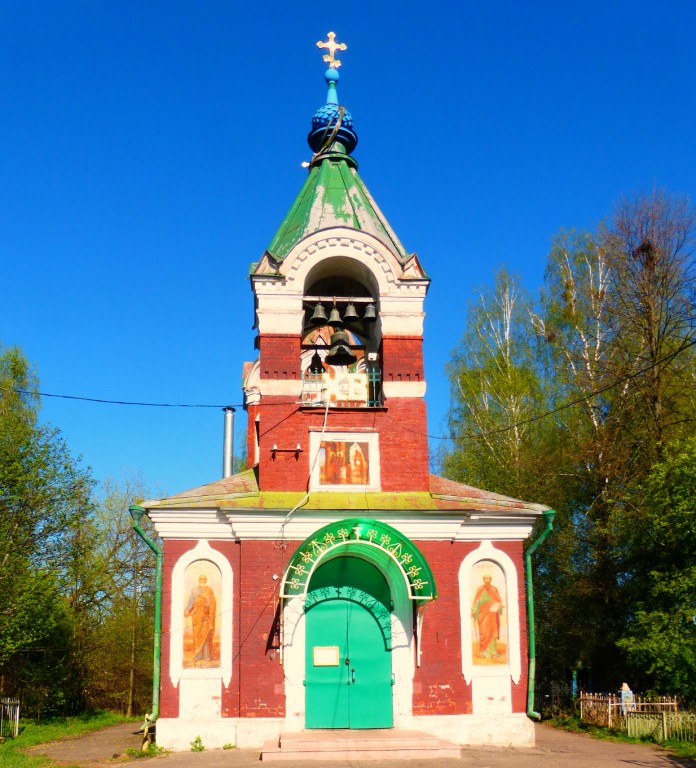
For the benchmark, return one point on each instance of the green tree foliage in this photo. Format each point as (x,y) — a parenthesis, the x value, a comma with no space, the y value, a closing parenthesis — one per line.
(121,660)
(495,384)
(661,633)
(75,580)
(44,497)
(597,382)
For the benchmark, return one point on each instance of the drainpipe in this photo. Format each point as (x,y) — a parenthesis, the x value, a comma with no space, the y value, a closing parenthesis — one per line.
(137,512)
(549,514)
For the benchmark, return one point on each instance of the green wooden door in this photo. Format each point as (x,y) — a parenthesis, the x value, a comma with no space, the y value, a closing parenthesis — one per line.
(348,653)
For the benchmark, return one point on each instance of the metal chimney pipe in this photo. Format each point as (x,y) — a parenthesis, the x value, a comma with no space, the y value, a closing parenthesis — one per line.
(228,441)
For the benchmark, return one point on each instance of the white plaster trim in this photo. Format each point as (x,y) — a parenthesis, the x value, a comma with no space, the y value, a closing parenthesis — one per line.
(515,730)
(372,438)
(403,389)
(487,551)
(403,666)
(190,523)
(251,383)
(177,733)
(202,551)
(495,730)
(358,246)
(281,387)
(266,525)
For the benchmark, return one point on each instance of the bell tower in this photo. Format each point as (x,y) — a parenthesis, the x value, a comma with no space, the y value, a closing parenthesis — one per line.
(337,393)
(323,558)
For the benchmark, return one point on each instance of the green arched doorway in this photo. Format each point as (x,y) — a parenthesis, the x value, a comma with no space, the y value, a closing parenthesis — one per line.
(348,664)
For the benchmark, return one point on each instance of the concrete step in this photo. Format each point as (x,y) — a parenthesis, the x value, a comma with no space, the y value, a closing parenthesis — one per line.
(377,744)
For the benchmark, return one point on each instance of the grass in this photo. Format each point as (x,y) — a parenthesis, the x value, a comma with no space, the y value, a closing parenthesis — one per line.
(152,751)
(12,753)
(572,723)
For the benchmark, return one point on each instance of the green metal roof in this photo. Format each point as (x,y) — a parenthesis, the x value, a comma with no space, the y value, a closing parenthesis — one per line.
(334,195)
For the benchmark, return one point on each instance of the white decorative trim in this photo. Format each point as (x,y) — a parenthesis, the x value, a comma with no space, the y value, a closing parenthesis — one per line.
(513,669)
(177,733)
(202,551)
(403,389)
(513,730)
(209,523)
(266,525)
(281,387)
(374,262)
(252,382)
(495,730)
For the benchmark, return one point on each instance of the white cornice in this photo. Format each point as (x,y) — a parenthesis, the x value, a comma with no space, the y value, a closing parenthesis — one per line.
(247,525)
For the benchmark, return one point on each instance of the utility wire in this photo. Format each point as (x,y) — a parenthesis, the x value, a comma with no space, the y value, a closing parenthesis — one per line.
(572,403)
(120,402)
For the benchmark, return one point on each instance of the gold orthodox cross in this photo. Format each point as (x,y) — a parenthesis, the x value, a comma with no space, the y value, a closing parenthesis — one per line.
(332,47)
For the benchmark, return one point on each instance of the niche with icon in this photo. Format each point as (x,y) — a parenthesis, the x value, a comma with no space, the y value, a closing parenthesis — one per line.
(202,589)
(345,461)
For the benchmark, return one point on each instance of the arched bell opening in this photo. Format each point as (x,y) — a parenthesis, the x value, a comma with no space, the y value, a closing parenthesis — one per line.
(340,337)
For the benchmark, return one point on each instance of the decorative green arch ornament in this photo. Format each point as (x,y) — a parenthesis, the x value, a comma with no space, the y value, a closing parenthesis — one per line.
(360,533)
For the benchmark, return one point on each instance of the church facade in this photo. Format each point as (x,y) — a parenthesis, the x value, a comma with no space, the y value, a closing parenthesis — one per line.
(336,583)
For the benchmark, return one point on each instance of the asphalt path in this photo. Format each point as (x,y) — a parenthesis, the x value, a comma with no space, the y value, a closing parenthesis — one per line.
(554,749)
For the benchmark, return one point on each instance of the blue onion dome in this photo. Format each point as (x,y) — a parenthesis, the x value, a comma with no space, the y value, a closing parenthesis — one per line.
(332,123)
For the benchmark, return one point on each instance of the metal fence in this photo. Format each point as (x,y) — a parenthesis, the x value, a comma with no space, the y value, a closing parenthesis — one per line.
(609,711)
(9,718)
(662,726)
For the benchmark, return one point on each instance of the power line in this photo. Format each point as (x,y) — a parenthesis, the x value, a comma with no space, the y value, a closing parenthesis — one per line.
(572,403)
(120,402)
(500,430)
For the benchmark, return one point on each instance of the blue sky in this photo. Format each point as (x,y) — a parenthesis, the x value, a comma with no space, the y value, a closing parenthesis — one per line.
(149,151)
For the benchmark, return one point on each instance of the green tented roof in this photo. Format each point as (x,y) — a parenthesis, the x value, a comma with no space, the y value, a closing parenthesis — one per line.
(334,195)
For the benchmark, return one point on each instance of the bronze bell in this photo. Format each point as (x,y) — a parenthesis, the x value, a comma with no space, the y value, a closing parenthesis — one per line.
(370,313)
(319,316)
(350,315)
(340,352)
(335,316)
(315,365)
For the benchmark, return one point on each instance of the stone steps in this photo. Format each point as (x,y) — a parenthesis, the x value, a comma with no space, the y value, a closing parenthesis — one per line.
(377,744)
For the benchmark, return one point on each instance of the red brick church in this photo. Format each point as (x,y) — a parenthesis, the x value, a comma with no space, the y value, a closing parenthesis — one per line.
(336,584)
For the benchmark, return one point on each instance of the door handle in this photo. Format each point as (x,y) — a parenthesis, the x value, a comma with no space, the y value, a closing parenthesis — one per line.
(352,676)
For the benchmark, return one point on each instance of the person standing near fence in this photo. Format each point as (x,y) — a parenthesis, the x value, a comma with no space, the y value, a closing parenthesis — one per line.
(627,699)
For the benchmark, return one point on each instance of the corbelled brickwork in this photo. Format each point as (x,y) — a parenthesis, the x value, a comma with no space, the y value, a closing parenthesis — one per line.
(280,356)
(402,358)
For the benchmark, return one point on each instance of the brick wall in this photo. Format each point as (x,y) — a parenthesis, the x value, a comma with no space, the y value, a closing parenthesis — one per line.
(403,442)
(261,681)
(257,685)
(169,695)
(280,356)
(402,358)
(439,686)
